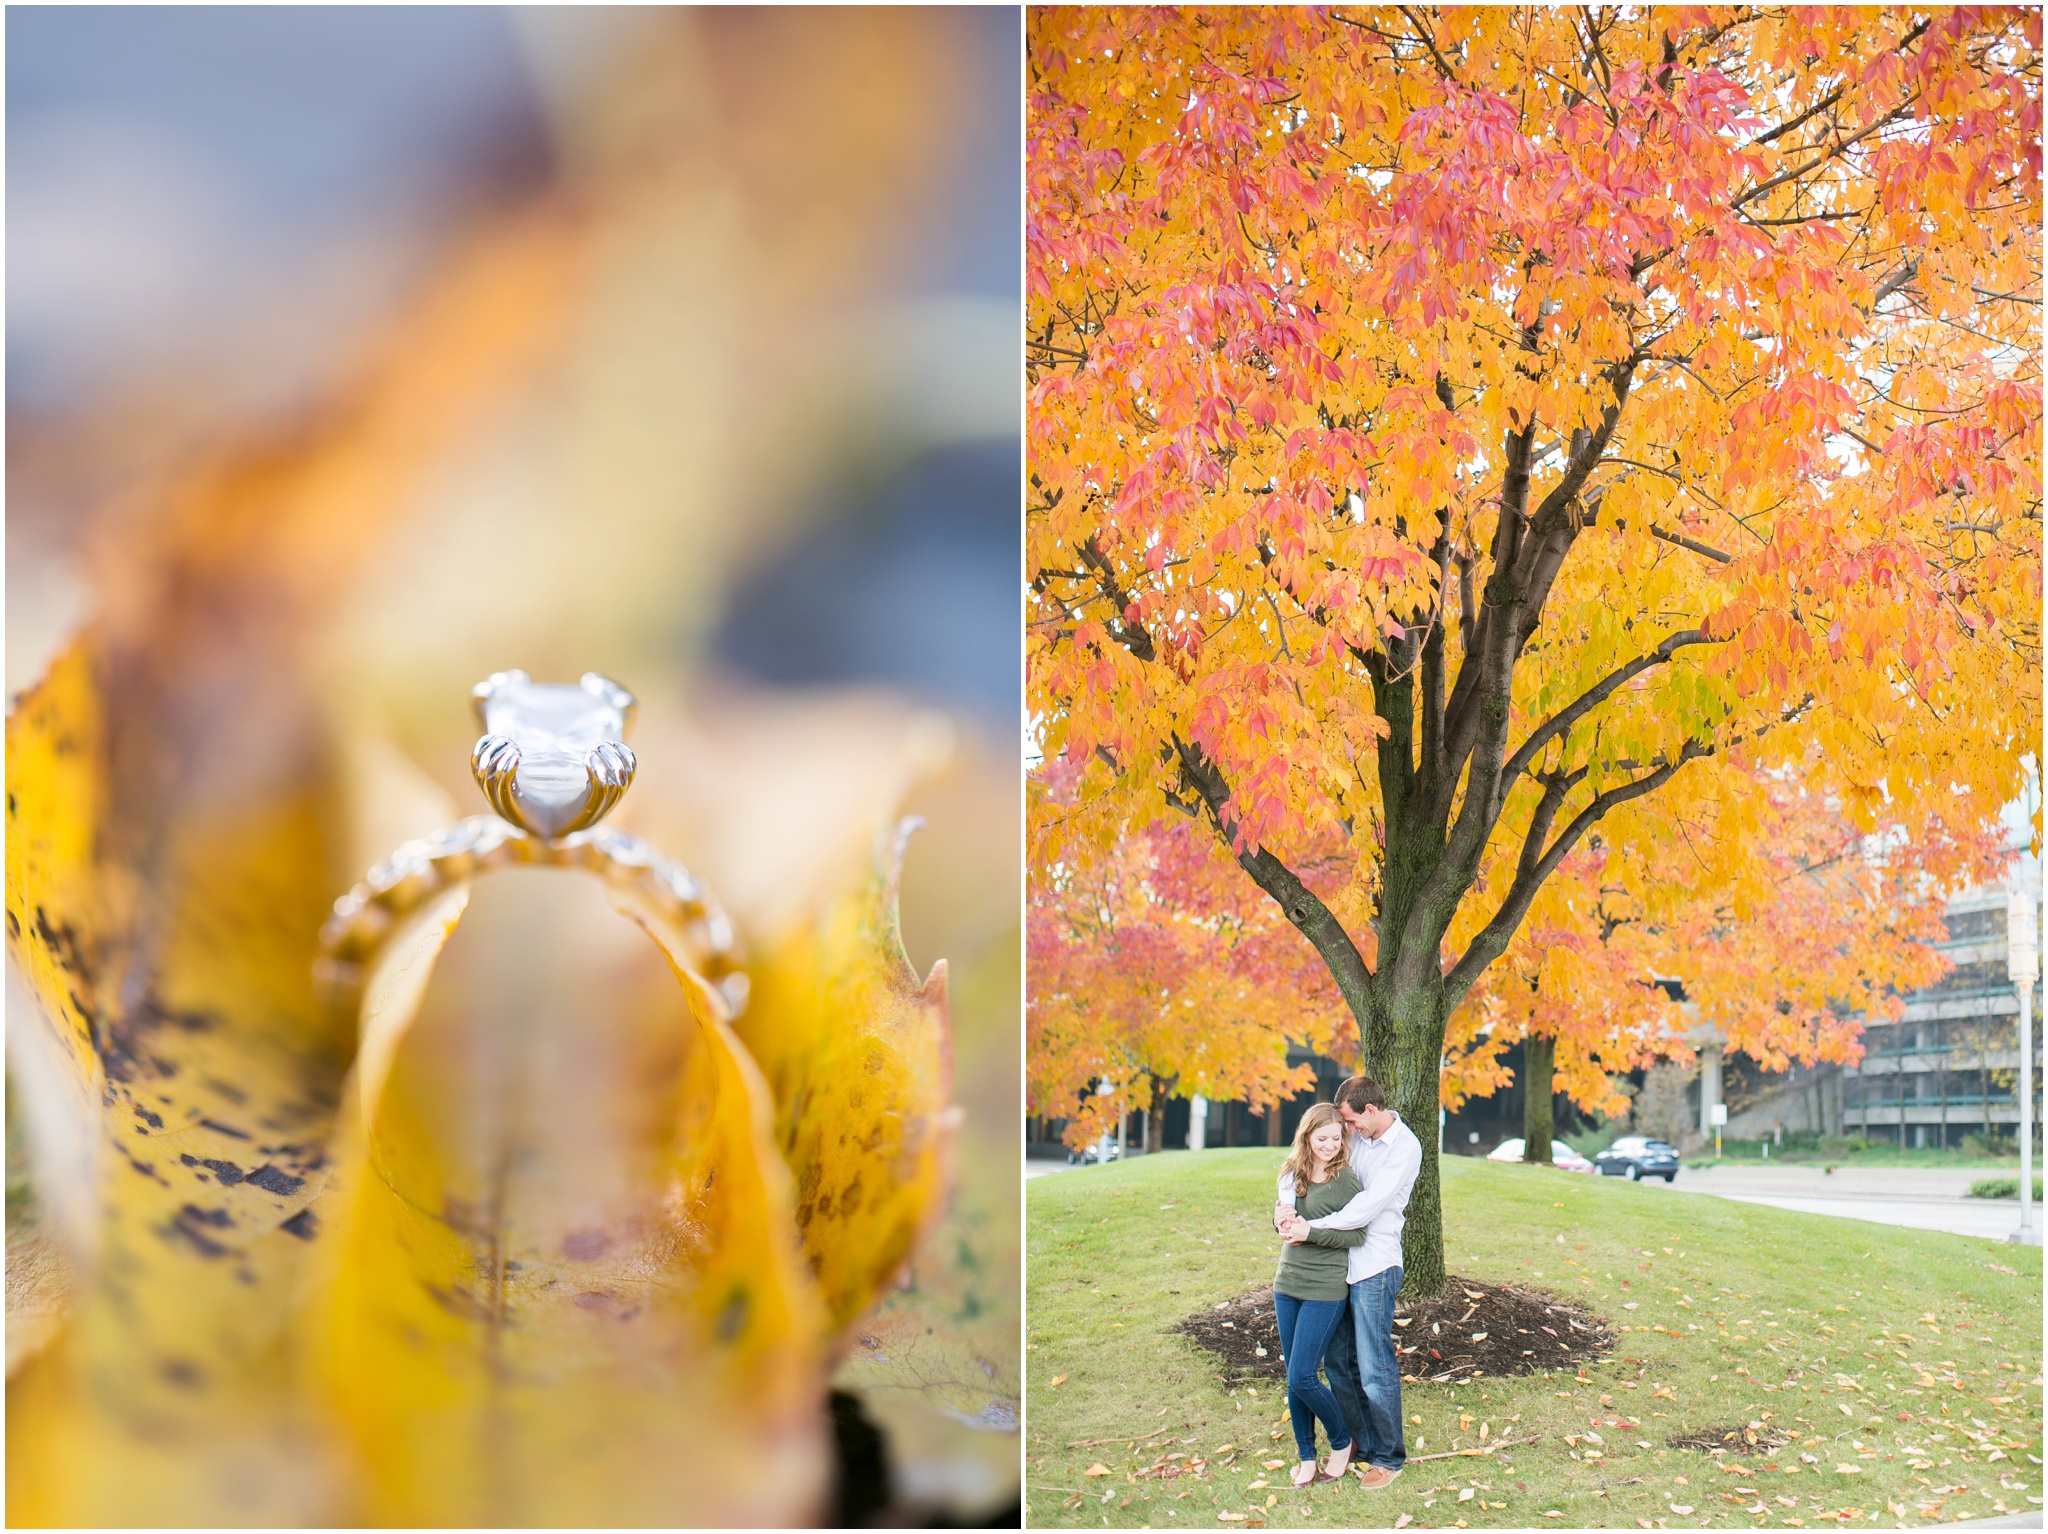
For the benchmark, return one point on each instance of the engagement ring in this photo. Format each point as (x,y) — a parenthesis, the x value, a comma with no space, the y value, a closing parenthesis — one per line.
(553,762)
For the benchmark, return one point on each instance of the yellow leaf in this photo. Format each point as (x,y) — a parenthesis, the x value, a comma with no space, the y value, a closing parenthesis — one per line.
(556,1252)
(858,1055)
(210,1073)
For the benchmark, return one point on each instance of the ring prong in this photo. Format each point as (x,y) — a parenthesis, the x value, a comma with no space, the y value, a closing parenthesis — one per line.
(602,687)
(490,687)
(495,763)
(611,766)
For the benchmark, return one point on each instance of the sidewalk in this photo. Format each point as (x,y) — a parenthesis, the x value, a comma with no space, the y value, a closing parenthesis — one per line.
(1844,1181)
(1920,1198)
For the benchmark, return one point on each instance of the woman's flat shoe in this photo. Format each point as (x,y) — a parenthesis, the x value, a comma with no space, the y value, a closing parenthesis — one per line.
(1327,1473)
(1301,1482)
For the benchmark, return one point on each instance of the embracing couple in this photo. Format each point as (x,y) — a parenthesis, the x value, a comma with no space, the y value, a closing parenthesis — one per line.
(1343,1196)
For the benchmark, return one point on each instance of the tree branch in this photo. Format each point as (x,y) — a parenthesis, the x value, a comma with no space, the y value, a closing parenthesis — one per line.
(1492,939)
(1818,160)
(1836,95)
(1563,720)
(1442,65)
(1893,283)
(1300,904)
(1705,550)
(1126,631)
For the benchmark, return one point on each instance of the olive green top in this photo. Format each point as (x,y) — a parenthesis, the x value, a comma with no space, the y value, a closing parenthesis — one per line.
(1315,1269)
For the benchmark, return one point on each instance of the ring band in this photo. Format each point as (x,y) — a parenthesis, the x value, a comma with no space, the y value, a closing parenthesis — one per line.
(541,729)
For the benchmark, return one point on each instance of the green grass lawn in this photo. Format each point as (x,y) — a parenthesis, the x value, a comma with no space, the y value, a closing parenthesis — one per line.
(1907,1362)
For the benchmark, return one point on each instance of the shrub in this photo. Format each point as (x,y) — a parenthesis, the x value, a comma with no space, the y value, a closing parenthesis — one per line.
(2001,1187)
(1997,1143)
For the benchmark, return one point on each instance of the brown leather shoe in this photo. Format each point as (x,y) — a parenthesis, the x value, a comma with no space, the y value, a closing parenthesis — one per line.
(1376,1477)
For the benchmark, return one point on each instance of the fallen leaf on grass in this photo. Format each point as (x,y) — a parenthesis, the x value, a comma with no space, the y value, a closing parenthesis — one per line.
(1058,1380)
(1098,1468)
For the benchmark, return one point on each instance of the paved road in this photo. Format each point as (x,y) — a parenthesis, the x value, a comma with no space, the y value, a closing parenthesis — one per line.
(1922,1198)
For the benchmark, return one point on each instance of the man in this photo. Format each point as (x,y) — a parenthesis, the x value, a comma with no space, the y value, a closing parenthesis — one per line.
(1385,1154)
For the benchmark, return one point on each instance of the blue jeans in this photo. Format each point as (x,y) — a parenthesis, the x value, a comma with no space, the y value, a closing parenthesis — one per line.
(1305,1328)
(1367,1375)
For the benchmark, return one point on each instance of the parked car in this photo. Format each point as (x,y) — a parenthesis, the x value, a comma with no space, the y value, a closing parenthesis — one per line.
(1562,1156)
(1636,1157)
(1103,1150)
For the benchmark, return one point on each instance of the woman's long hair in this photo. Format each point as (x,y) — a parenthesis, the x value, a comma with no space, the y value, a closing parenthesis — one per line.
(1301,1160)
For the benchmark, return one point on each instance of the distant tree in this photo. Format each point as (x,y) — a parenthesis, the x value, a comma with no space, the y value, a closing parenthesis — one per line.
(1662,1109)
(1154,972)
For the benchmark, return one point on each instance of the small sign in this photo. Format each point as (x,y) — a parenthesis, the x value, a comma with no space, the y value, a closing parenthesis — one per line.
(1717,1114)
(2021,948)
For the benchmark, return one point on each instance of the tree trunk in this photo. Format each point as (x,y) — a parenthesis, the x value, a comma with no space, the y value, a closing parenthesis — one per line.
(1408,1066)
(1941,1067)
(1273,1124)
(1155,1117)
(1539,1073)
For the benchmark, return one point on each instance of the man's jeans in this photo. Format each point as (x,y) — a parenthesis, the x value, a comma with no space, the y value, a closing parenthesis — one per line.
(1371,1404)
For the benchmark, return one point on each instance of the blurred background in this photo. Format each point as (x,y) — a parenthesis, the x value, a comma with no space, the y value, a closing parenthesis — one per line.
(751,446)
(210,207)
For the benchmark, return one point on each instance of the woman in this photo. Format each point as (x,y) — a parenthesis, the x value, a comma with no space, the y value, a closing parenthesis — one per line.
(1309,1291)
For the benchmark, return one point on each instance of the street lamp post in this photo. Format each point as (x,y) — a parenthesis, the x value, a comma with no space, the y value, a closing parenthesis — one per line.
(2022,957)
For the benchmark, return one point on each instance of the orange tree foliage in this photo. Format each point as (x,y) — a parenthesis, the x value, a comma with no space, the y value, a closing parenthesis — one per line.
(1578,979)
(1451,428)
(1154,971)
(1786,957)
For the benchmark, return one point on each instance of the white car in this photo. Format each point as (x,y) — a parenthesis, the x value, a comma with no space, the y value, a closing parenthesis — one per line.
(1562,1156)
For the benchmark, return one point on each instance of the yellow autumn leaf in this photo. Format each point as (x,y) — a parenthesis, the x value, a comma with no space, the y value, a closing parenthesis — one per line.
(542,1277)
(857,1053)
(214,1074)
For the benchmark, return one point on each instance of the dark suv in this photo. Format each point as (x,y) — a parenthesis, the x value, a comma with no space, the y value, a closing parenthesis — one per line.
(1636,1157)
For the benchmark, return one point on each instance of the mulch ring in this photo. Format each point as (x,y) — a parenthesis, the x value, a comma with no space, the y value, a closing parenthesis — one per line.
(1733,1438)
(1469,1330)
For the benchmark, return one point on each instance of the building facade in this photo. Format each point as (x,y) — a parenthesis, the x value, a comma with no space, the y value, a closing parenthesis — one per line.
(1947,1069)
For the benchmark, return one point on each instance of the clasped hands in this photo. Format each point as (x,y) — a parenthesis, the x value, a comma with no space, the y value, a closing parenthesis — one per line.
(1290,1224)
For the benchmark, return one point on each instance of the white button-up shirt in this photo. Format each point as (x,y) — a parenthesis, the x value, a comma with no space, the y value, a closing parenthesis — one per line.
(1388,1167)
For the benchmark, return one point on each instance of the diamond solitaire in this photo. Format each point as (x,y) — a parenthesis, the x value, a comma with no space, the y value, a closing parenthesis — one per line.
(553,763)
(553,757)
